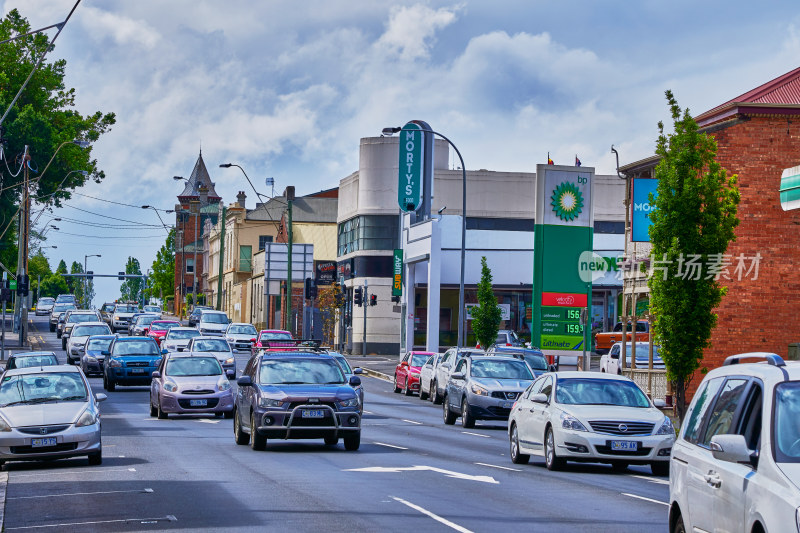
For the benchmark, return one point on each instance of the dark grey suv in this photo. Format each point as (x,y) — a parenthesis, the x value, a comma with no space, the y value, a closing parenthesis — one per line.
(296,395)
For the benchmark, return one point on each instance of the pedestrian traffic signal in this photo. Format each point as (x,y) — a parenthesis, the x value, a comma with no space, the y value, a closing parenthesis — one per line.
(358,296)
(23,284)
(373,300)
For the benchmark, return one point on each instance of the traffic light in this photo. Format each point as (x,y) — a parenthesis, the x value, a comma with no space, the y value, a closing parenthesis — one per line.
(358,296)
(23,284)
(308,289)
(373,300)
(121,276)
(314,292)
(90,275)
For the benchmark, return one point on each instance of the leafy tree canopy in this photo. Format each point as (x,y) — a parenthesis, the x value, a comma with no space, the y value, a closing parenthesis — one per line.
(131,289)
(486,316)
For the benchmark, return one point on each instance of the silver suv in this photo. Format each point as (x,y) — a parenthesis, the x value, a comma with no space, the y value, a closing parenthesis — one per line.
(442,371)
(485,388)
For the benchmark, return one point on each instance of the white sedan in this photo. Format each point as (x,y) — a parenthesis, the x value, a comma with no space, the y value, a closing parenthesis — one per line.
(426,376)
(610,362)
(589,417)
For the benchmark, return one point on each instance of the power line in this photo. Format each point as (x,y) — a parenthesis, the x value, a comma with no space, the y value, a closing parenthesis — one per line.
(113,202)
(114,237)
(113,218)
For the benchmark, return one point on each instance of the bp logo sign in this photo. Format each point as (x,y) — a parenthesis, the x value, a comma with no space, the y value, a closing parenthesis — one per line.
(567,201)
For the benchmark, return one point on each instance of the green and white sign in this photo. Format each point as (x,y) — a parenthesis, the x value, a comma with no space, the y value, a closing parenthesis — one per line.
(790,188)
(412,167)
(397,265)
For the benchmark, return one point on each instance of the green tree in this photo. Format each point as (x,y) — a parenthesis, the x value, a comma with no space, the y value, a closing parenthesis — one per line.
(162,279)
(38,267)
(486,316)
(78,284)
(42,118)
(131,288)
(695,216)
(53,285)
(62,267)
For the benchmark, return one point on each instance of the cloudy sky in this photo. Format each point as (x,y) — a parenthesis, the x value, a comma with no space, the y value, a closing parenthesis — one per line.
(286,88)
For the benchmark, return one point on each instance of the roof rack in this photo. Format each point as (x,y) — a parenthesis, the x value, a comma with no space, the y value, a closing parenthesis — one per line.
(771,358)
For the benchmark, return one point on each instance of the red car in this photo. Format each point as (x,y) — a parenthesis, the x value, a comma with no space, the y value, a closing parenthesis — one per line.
(158,329)
(406,374)
(273,337)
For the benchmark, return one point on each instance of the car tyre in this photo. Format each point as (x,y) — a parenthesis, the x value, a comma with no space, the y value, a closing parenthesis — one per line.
(448,415)
(352,441)
(422,394)
(161,414)
(551,458)
(406,390)
(331,440)
(52,328)
(660,468)
(110,386)
(467,421)
(96,458)
(58,334)
(516,457)
(396,388)
(435,396)
(64,344)
(239,436)
(153,410)
(257,442)
(678,526)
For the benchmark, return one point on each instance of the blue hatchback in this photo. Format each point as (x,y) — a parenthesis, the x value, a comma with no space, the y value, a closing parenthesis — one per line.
(130,361)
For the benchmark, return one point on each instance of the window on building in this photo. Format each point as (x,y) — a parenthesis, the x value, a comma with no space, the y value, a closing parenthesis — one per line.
(190,266)
(263,240)
(605,226)
(245,258)
(368,232)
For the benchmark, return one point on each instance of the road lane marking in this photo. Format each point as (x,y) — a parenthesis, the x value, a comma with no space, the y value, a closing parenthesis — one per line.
(652,479)
(436,517)
(207,421)
(412,422)
(448,473)
(389,445)
(500,467)
(643,498)
(70,472)
(368,412)
(3,484)
(142,491)
(168,518)
(476,434)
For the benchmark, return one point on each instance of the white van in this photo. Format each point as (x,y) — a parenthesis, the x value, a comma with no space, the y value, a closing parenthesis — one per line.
(213,322)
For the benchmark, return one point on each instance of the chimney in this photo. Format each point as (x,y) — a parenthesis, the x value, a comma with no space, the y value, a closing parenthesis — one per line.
(240,198)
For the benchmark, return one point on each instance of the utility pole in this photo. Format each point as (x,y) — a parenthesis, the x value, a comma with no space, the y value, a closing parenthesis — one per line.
(20,308)
(221,255)
(289,276)
(365,305)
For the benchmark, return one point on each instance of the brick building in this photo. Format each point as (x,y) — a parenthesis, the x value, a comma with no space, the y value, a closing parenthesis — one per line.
(758,135)
(197,203)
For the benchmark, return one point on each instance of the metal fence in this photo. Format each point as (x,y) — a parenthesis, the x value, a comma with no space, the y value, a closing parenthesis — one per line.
(652,382)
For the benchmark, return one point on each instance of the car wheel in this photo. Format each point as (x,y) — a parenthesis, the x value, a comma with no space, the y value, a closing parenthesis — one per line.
(239,436)
(331,440)
(435,397)
(110,386)
(352,441)
(52,328)
(448,415)
(58,334)
(396,388)
(406,390)
(228,414)
(516,457)
(551,459)
(660,468)
(161,414)
(678,526)
(422,394)
(466,419)
(153,410)
(96,458)
(257,442)
(64,344)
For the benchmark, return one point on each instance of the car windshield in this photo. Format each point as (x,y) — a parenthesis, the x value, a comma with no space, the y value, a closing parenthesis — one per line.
(99,344)
(35,360)
(126,309)
(152,309)
(343,362)
(418,359)
(85,331)
(135,347)
(786,422)
(297,371)
(501,369)
(60,308)
(163,326)
(42,387)
(65,298)
(587,391)
(75,318)
(535,361)
(182,334)
(145,320)
(45,301)
(211,345)
(512,337)
(243,330)
(193,366)
(107,307)
(214,318)
(276,336)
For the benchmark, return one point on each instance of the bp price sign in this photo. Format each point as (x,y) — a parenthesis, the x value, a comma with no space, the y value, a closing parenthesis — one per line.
(412,165)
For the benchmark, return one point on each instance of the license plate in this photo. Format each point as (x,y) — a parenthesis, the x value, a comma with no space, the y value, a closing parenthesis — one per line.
(507,405)
(137,370)
(41,443)
(313,413)
(198,403)
(624,446)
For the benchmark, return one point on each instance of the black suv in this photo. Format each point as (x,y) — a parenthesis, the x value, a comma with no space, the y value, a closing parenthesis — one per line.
(296,395)
(194,316)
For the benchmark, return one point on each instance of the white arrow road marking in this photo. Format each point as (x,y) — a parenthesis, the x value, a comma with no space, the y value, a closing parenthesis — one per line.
(436,517)
(448,473)
(643,498)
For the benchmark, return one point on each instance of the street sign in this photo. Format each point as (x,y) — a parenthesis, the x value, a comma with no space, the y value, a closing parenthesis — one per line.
(640,223)
(12,284)
(397,282)
(790,188)
(412,167)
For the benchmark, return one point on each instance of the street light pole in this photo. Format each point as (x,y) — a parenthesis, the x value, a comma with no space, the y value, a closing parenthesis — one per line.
(461,312)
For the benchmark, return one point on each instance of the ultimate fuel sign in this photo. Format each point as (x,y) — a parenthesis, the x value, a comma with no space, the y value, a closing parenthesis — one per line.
(564,231)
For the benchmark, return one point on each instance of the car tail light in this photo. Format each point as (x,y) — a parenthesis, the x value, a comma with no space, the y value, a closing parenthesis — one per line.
(252,340)
(508,344)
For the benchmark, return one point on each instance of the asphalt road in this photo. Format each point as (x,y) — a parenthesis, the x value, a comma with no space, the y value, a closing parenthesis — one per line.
(411,473)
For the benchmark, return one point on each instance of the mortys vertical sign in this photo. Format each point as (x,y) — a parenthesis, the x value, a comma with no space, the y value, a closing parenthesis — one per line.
(412,164)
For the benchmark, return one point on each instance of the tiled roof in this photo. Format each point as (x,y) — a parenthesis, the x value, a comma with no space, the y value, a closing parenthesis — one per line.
(199,177)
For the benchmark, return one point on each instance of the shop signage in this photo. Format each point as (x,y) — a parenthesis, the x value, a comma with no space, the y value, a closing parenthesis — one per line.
(346,269)
(640,223)
(505,311)
(324,272)
(412,167)
(397,280)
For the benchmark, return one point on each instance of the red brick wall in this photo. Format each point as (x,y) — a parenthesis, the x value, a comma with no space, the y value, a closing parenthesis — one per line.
(761,314)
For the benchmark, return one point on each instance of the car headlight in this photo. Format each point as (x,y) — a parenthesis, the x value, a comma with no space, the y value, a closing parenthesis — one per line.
(116,317)
(90,359)
(223,384)
(570,422)
(269,402)
(88,418)
(115,363)
(230,361)
(477,389)
(4,426)
(170,386)
(666,427)
(352,402)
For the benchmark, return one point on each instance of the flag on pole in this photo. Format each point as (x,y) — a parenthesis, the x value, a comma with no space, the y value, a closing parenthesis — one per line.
(577,161)
(549,161)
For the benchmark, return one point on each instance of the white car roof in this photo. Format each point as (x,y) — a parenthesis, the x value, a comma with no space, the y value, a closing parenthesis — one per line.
(768,373)
(42,370)
(210,338)
(93,324)
(183,328)
(589,375)
(240,324)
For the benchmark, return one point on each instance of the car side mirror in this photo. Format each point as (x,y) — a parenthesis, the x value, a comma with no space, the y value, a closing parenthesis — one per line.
(105,352)
(659,403)
(156,374)
(180,349)
(358,371)
(552,368)
(355,381)
(100,397)
(457,375)
(730,448)
(244,381)
(540,398)
(404,363)
(230,373)
(164,351)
